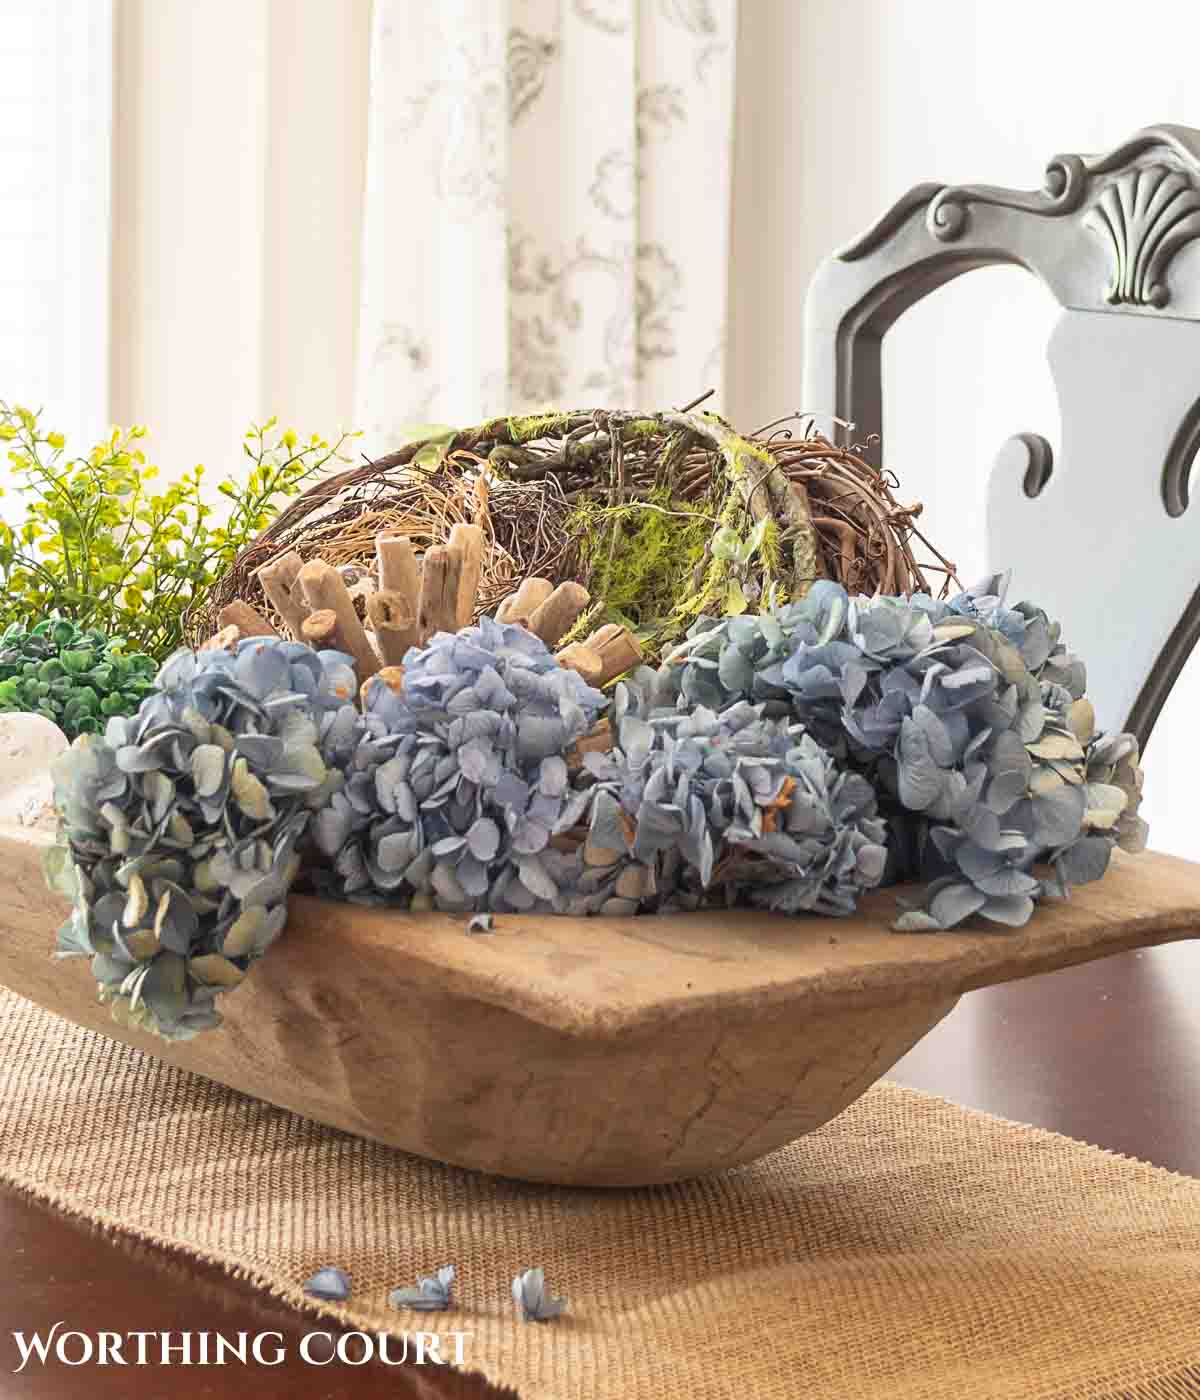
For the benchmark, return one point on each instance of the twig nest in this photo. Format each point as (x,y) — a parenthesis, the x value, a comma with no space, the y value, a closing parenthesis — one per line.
(660,517)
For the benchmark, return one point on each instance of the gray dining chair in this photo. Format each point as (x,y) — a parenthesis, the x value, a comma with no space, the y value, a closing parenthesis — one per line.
(1099,533)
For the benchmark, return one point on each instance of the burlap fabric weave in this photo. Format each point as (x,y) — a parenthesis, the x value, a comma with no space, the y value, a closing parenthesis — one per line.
(909,1249)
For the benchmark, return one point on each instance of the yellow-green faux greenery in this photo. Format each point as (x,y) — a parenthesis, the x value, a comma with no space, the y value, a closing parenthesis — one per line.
(98,546)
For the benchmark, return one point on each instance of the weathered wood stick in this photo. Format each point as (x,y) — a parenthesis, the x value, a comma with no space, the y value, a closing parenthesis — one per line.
(553,618)
(323,587)
(469,541)
(603,635)
(521,605)
(395,625)
(617,648)
(580,657)
(249,621)
(320,629)
(224,640)
(438,607)
(397,567)
(278,579)
(390,676)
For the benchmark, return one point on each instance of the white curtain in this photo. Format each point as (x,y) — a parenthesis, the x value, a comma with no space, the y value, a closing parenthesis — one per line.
(55,133)
(546,218)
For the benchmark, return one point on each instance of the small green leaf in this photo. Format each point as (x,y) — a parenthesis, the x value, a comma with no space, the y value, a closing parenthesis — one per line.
(726,544)
(753,542)
(736,602)
(77,662)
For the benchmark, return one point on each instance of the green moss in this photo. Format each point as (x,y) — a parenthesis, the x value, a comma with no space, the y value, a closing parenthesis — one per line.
(769,552)
(530,427)
(710,595)
(639,557)
(647,562)
(642,427)
(744,457)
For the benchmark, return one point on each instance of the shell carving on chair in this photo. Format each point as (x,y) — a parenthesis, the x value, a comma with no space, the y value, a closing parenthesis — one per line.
(1146,216)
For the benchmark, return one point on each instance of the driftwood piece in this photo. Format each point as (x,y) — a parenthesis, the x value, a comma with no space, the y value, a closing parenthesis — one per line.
(469,541)
(552,619)
(320,630)
(618,649)
(395,625)
(323,587)
(521,605)
(278,580)
(249,621)
(224,640)
(580,657)
(438,608)
(397,567)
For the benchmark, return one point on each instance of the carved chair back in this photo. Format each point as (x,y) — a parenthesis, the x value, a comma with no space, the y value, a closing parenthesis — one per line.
(1098,534)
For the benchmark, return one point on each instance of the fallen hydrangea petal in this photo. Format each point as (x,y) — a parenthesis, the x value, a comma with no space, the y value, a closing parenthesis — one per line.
(432,1294)
(532,1297)
(328,1283)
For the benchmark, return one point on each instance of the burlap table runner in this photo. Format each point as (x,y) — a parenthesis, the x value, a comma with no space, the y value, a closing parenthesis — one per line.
(909,1249)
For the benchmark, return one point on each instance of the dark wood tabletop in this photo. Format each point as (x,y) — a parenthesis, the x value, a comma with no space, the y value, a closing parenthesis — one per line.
(1108,1052)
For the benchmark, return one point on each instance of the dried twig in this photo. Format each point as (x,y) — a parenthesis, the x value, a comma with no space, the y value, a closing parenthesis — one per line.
(324,589)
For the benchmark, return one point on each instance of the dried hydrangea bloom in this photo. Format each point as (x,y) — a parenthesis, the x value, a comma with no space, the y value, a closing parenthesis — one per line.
(181,826)
(459,782)
(968,717)
(692,805)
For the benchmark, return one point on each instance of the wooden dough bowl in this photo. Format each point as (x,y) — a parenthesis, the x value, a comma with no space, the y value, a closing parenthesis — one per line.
(597,1052)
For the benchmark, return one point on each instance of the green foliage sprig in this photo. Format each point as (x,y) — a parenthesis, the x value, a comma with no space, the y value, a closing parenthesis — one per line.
(74,677)
(99,547)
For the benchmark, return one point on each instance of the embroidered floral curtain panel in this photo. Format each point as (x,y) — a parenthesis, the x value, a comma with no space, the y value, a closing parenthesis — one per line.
(547,206)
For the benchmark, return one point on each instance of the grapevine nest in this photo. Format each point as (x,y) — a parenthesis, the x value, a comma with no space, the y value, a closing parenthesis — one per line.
(661,516)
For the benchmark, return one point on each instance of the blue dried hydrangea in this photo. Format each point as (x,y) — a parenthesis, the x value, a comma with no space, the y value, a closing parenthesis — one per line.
(969,719)
(329,1284)
(432,1292)
(457,783)
(691,805)
(180,826)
